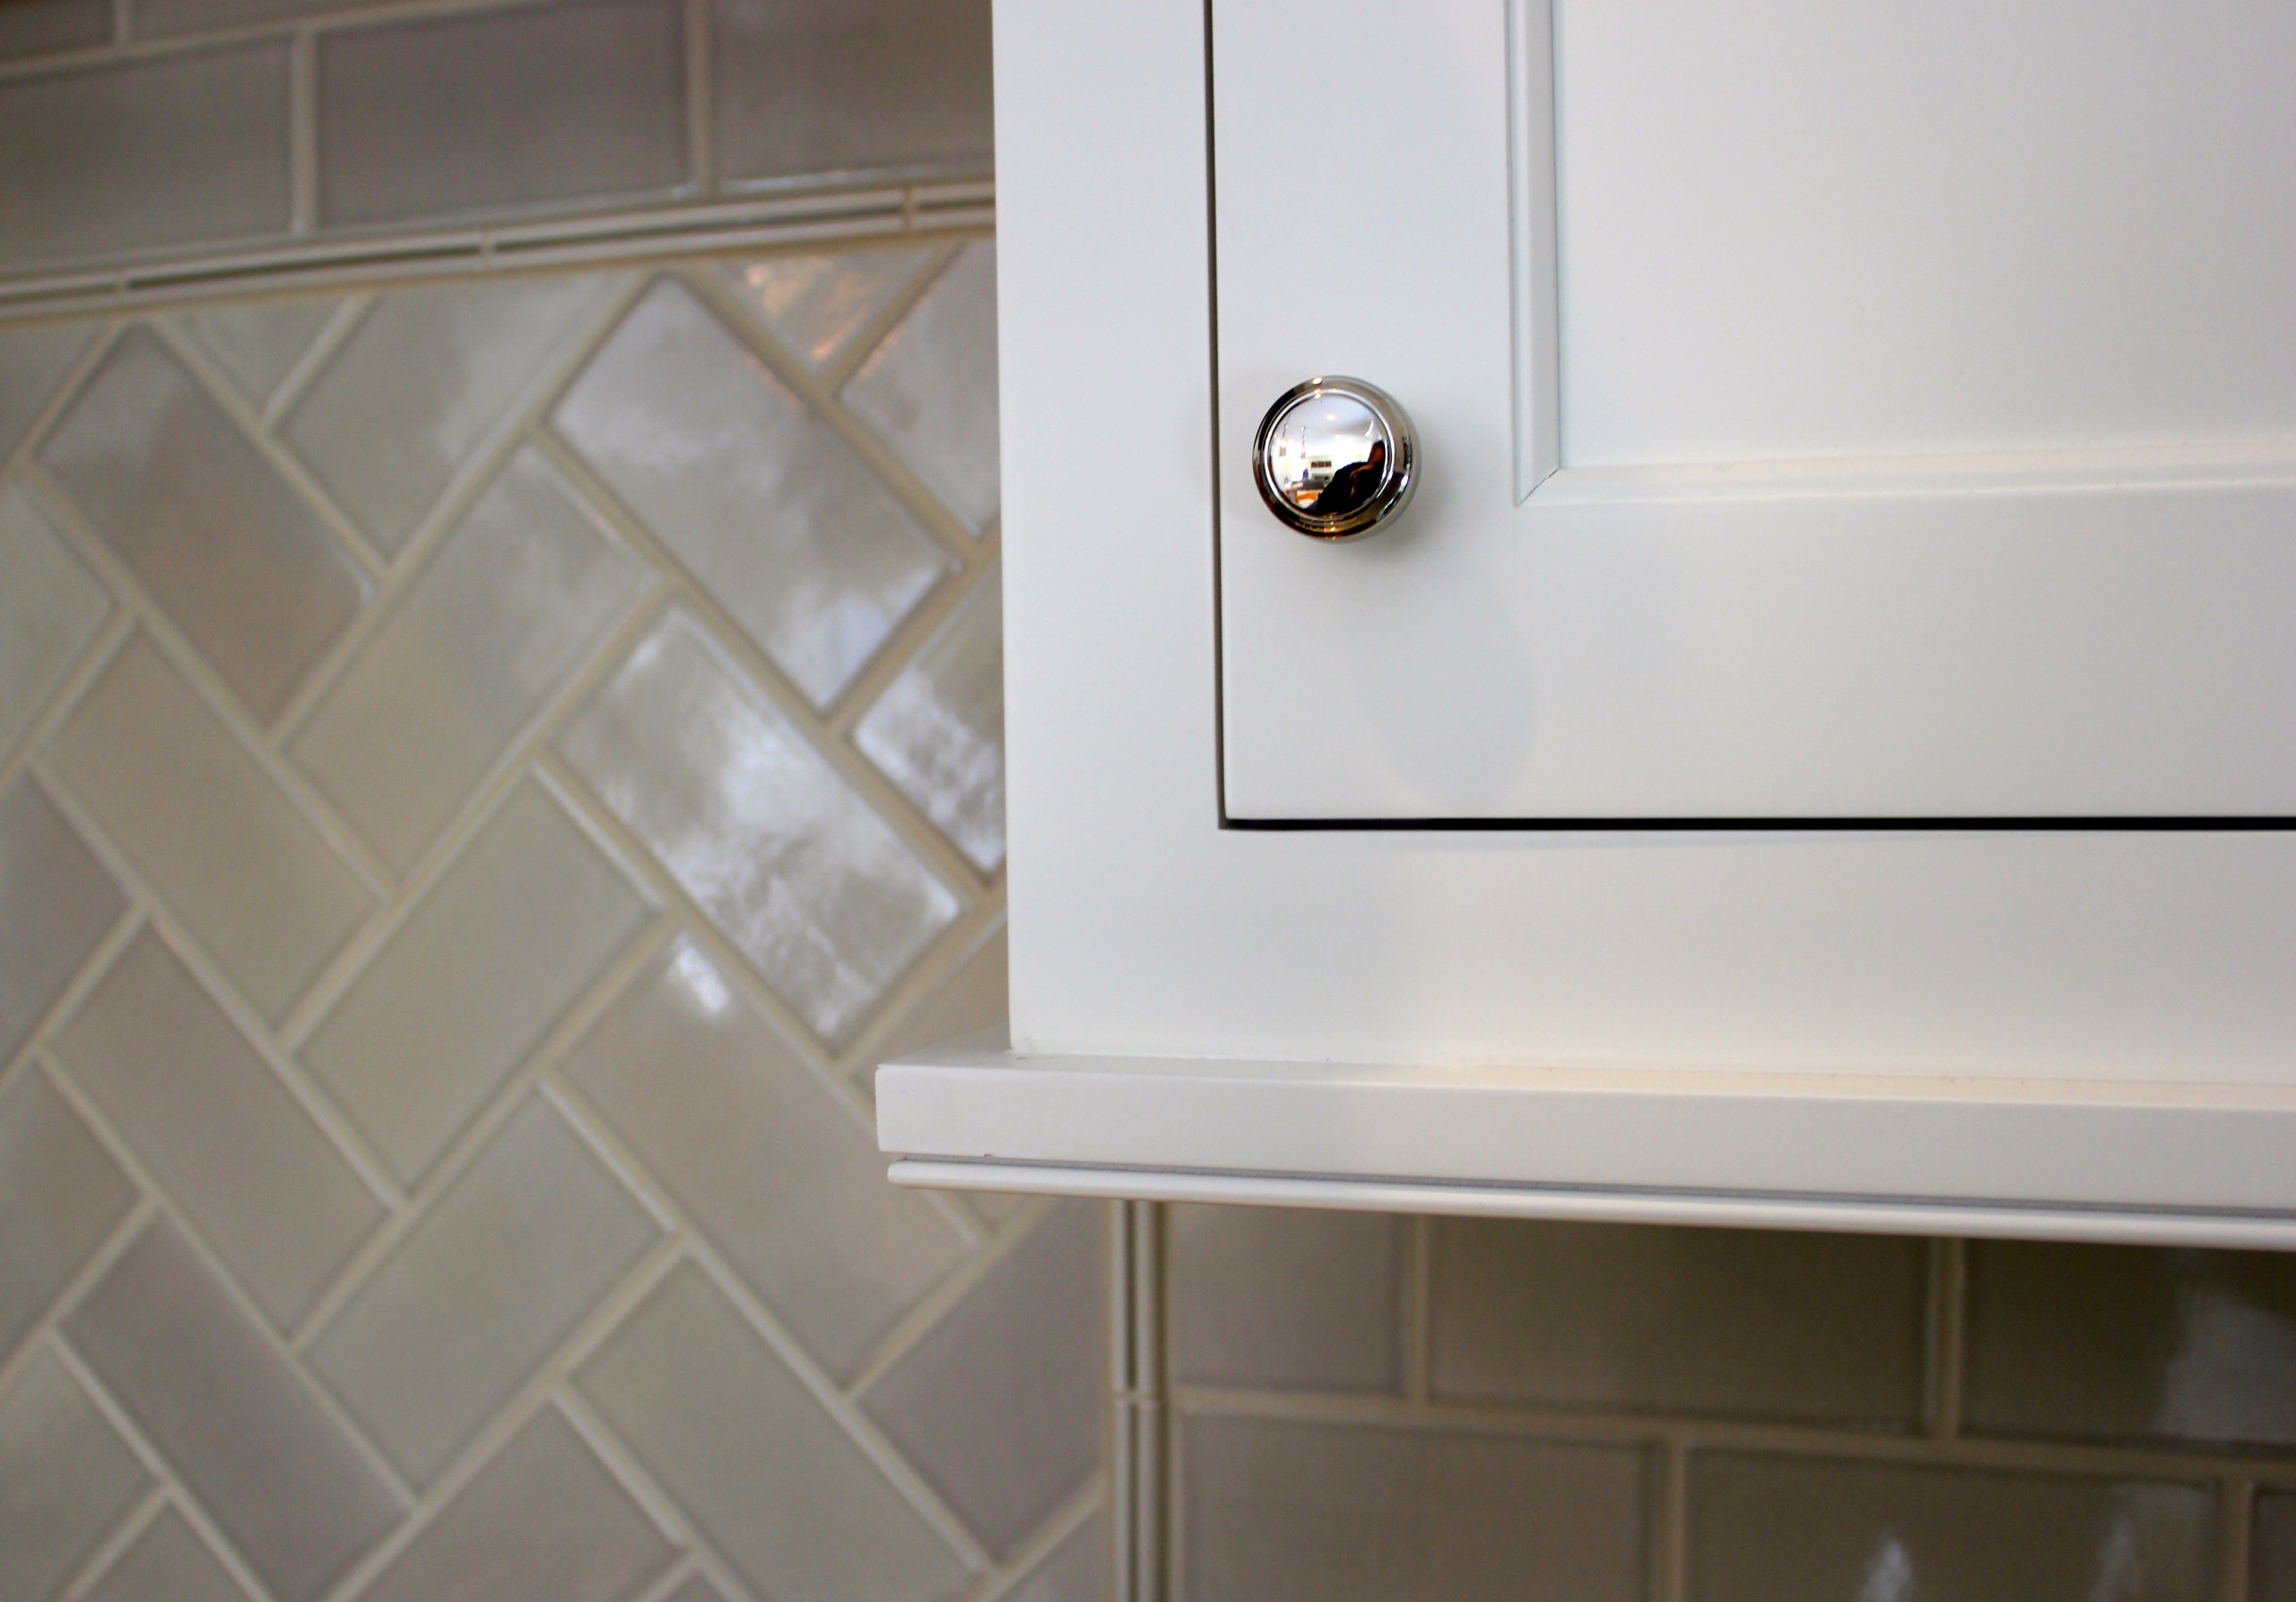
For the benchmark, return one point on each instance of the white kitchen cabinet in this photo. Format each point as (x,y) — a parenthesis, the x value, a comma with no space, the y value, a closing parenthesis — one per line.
(1816,748)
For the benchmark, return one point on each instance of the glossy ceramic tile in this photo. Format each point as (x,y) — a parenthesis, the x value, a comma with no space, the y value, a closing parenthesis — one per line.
(509,934)
(61,1196)
(931,386)
(1283,1510)
(975,997)
(232,555)
(817,305)
(50,608)
(1076,1571)
(520,596)
(32,359)
(41,27)
(221,844)
(2271,1576)
(999,1406)
(1803,1529)
(211,1121)
(500,1271)
(145,153)
(1285,1298)
(772,1481)
(2110,1342)
(1783,1325)
(167,1563)
(809,883)
(939,731)
(56,903)
(760,499)
(231,1416)
(257,343)
(543,1523)
(784,1180)
(488,109)
(65,1478)
(427,374)
(808,86)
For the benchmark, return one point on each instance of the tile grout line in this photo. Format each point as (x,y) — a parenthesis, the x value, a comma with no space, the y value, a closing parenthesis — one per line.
(302,131)
(1947,1335)
(838,371)
(101,956)
(1668,1467)
(47,1332)
(344,321)
(1074,1512)
(65,697)
(2236,1507)
(925,1315)
(114,1545)
(701,98)
(1417,1307)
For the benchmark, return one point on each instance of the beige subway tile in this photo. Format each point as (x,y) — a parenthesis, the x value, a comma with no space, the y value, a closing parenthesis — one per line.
(999,1404)
(50,608)
(815,305)
(1811,1327)
(2132,1343)
(65,1479)
(2271,1576)
(518,595)
(770,1478)
(229,853)
(211,1121)
(1288,1511)
(427,374)
(42,27)
(813,886)
(167,1563)
(780,1177)
(183,149)
(1806,1529)
(1286,1298)
(812,86)
(930,388)
(761,499)
(61,1197)
(938,730)
(1076,1571)
(56,903)
(510,934)
(515,106)
(232,555)
(977,997)
(232,1417)
(257,343)
(31,360)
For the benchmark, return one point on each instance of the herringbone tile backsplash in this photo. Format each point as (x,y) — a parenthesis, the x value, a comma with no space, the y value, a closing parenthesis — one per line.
(485,767)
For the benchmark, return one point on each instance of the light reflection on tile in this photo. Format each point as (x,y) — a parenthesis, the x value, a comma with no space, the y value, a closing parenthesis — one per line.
(759,498)
(61,1197)
(167,1563)
(931,386)
(56,903)
(65,1478)
(939,731)
(512,603)
(257,343)
(50,607)
(815,304)
(801,875)
(31,360)
(234,557)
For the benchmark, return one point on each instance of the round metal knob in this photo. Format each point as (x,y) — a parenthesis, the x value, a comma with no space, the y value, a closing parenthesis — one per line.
(1335,458)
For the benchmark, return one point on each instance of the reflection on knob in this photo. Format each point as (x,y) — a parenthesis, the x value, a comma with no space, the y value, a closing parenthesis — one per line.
(1335,458)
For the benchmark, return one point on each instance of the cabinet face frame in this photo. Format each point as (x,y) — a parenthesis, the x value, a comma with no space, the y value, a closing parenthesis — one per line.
(2153,975)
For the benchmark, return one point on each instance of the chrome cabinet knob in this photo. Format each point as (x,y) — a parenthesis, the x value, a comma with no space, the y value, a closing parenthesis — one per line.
(1335,458)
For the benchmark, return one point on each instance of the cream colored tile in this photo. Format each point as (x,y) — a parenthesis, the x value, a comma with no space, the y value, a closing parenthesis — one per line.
(1076,1571)
(505,940)
(815,304)
(2128,1343)
(40,27)
(543,1523)
(2272,1575)
(1729,1321)
(801,876)
(232,1416)
(261,889)
(65,1479)
(233,556)
(61,1197)
(505,1264)
(257,343)
(771,1479)
(429,371)
(975,997)
(1802,1529)
(1286,1298)
(167,1563)
(174,149)
(209,1119)
(50,607)
(999,1405)
(939,731)
(520,595)
(32,359)
(56,903)
(581,99)
(931,386)
(760,499)
(782,1180)
(806,86)
(1286,1510)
